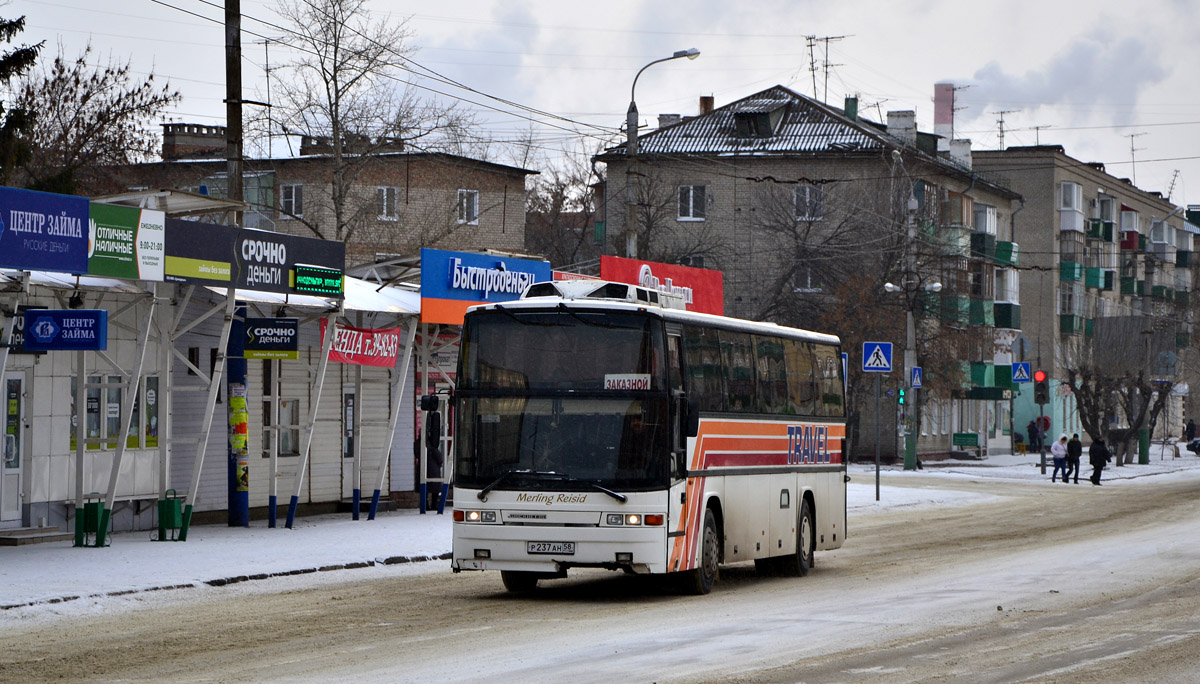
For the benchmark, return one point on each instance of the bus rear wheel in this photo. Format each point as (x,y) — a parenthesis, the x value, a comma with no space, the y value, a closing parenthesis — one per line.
(519,581)
(701,580)
(799,563)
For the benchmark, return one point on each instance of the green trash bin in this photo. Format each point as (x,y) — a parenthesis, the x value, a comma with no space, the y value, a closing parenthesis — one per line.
(170,516)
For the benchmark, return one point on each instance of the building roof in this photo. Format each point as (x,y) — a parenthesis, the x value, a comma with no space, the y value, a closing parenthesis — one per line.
(800,125)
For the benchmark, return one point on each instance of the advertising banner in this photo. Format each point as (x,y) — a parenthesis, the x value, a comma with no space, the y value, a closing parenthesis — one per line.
(41,231)
(364,346)
(59,329)
(17,344)
(451,282)
(702,289)
(211,254)
(271,338)
(124,242)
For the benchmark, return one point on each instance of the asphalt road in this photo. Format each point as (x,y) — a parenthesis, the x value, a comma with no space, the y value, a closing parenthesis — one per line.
(1038,583)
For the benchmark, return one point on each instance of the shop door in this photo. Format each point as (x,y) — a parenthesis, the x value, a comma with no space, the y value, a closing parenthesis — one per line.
(14,444)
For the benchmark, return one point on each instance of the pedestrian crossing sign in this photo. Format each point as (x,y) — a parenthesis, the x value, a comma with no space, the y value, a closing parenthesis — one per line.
(1020,372)
(877,357)
(916,379)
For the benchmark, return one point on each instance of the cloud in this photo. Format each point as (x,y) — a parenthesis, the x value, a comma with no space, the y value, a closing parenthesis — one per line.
(1094,77)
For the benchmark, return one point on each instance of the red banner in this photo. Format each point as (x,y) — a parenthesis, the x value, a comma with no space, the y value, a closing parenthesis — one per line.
(703,289)
(364,346)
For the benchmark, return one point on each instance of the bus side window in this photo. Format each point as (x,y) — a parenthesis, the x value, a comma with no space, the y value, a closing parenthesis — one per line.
(674,372)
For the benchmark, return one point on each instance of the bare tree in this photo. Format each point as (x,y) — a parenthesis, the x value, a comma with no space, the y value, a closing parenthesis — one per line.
(89,120)
(344,94)
(1117,378)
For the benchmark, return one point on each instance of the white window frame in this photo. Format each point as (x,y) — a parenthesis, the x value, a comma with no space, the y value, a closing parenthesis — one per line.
(1070,196)
(1130,221)
(696,203)
(291,200)
(988,214)
(468,207)
(809,201)
(388,196)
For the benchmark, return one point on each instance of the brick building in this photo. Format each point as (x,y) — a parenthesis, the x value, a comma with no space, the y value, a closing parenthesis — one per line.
(397,202)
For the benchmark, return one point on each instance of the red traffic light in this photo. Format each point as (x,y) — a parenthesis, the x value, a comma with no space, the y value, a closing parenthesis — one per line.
(1039,376)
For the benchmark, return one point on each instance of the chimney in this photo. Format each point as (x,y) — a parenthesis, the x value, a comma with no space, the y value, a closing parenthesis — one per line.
(943,114)
(665,120)
(960,152)
(706,104)
(903,125)
(192,141)
(851,108)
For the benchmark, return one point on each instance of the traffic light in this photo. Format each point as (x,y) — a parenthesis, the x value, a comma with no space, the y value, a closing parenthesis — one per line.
(901,396)
(1041,393)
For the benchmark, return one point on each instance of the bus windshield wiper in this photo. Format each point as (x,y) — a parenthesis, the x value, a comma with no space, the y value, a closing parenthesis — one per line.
(482,495)
(619,497)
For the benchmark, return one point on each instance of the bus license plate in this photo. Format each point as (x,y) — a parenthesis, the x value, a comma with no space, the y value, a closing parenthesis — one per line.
(555,548)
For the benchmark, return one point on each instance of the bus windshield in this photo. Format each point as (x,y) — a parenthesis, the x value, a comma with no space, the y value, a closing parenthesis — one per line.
(563,399)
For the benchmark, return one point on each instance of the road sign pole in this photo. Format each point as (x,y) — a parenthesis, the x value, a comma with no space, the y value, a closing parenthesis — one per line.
(877,418)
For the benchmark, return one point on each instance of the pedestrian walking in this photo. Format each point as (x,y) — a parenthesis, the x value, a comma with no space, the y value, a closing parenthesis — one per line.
(1035,440)
(1190,430)
(1059,451)
(1074,453)
(1099,456)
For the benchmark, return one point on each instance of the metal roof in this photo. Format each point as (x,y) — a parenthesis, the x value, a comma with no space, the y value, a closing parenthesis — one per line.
(804,125)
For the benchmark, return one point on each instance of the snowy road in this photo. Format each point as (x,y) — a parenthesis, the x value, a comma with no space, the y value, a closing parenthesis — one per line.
(1036,582)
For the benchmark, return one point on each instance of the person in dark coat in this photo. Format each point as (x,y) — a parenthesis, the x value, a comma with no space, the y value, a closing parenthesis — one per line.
(1074,451)
(1099,456)
(1189,431)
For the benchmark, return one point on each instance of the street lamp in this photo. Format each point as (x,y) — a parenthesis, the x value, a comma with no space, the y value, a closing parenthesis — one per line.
(911,284)
(631,150)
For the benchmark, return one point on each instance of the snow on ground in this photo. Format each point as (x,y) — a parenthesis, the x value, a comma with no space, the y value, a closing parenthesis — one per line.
(57,579)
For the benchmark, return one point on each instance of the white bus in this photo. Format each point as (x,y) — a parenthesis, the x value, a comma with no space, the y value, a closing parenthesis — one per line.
(598,428)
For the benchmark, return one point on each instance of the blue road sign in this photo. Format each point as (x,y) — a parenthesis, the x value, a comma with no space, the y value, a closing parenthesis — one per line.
(915,381)
(877,357)
(1020,372)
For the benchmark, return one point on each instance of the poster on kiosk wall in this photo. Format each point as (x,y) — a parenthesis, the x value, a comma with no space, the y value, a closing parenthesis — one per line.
(702,289)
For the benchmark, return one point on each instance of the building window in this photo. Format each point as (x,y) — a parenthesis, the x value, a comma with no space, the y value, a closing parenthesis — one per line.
(468,207)
(805,281)
(985,219)
(1008,285)
(809,200)
(387,202)
(691,203)
(1070,196)
(291,201)
(1070,298)
(1071,247)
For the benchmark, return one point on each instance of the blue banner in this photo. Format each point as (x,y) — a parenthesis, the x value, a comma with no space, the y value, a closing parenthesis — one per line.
(41,231)
(69,329)
(453,281)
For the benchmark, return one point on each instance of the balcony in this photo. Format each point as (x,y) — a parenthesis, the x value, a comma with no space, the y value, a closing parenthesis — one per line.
(1070,271)
(1162,292)
(1100,230)
(956,309)
(1008,315)
(1108,281)
(1093,277)
(1183,298)
(1183,258)
(983,246)
(1007,254)
(1182,340)
(1070,324)
(1129,241)
(982,312)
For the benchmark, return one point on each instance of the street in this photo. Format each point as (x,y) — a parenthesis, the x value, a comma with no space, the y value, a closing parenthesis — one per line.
(1035,582)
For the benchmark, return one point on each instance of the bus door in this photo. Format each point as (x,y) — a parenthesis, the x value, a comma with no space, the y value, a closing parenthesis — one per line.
(677,493)
(11,452)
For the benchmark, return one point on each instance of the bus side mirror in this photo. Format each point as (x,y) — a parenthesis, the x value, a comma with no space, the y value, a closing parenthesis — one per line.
(691,419)
(429,402)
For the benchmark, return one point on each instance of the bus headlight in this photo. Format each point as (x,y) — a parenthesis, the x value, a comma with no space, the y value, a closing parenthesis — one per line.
(479,516)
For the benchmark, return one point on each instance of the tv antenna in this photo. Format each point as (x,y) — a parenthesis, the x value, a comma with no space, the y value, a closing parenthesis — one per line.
(1000,123)
(1132,156)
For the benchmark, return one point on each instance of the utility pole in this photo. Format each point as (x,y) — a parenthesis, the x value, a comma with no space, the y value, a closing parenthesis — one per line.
(233,103)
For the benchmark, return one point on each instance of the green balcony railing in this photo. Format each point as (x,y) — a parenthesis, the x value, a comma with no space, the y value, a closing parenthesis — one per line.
(1007,254)
(1093,277)
(983,312)
(983,245)
(1069,270)
(1070,324)
(1008,315)
(1183,258)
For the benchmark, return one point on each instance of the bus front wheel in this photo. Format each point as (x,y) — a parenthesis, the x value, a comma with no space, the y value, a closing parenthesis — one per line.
(518,581)
(701,580)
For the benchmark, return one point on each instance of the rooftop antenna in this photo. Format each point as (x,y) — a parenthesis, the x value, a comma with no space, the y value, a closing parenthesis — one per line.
(825,64)
(1171,187)
(1000,123)
(1037,138)
(1132,157)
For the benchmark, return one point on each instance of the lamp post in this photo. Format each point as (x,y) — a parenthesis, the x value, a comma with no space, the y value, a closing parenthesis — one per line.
(631,150)
(911,284)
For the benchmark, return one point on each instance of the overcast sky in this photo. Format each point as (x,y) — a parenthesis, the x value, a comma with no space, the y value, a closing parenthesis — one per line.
(1099,76)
